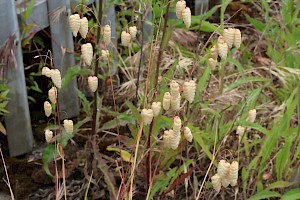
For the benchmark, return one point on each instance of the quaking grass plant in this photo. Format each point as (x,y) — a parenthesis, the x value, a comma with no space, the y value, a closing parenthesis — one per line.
(198,133)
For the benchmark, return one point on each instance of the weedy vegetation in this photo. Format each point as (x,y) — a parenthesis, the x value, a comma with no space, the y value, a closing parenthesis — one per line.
(183,117)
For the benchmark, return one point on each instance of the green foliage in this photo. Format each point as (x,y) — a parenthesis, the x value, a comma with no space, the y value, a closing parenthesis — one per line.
(282,37)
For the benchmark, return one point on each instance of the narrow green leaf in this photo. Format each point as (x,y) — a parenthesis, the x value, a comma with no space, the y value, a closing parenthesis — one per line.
(197,136)
(126,156)
(282,158)
(85,103)
(202,83)
(293,194)
(264,195)
(29,9)
(257,24)
(134,110)
(243,81)
(279,184)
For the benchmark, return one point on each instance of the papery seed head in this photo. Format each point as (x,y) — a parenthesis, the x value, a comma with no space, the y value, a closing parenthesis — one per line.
(186,16)
(175,103)
(177,125)
(180,5)
(174,89)
(234,173)
(52,93)
(228,36)
(48,135)
(189,90)
(147,116)
(156,107)
(105,54)
(212,63)
(133,31)
(68,125)
(223,50)
(188,134)
(46,72)
(170,139)
(47,108)
(214,52)
(93,83)
(251,116)
(237,38)
(216,182)
(166,101)
(56,78)
(220,40)
(87,53)
(84,27)
(125,38)
(240,130)
(223,169)
(107,34)
(74,22)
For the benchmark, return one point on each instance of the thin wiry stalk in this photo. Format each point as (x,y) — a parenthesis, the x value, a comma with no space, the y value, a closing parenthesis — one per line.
(211,163)
(141,58)
(97,68)
(161,49)
(7,177)
(115,110)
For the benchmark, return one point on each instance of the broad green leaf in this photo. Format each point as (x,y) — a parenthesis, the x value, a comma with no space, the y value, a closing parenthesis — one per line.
(264,195)
(293,194)
(126,156)
(48,155)
(123,120)
(71,73)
